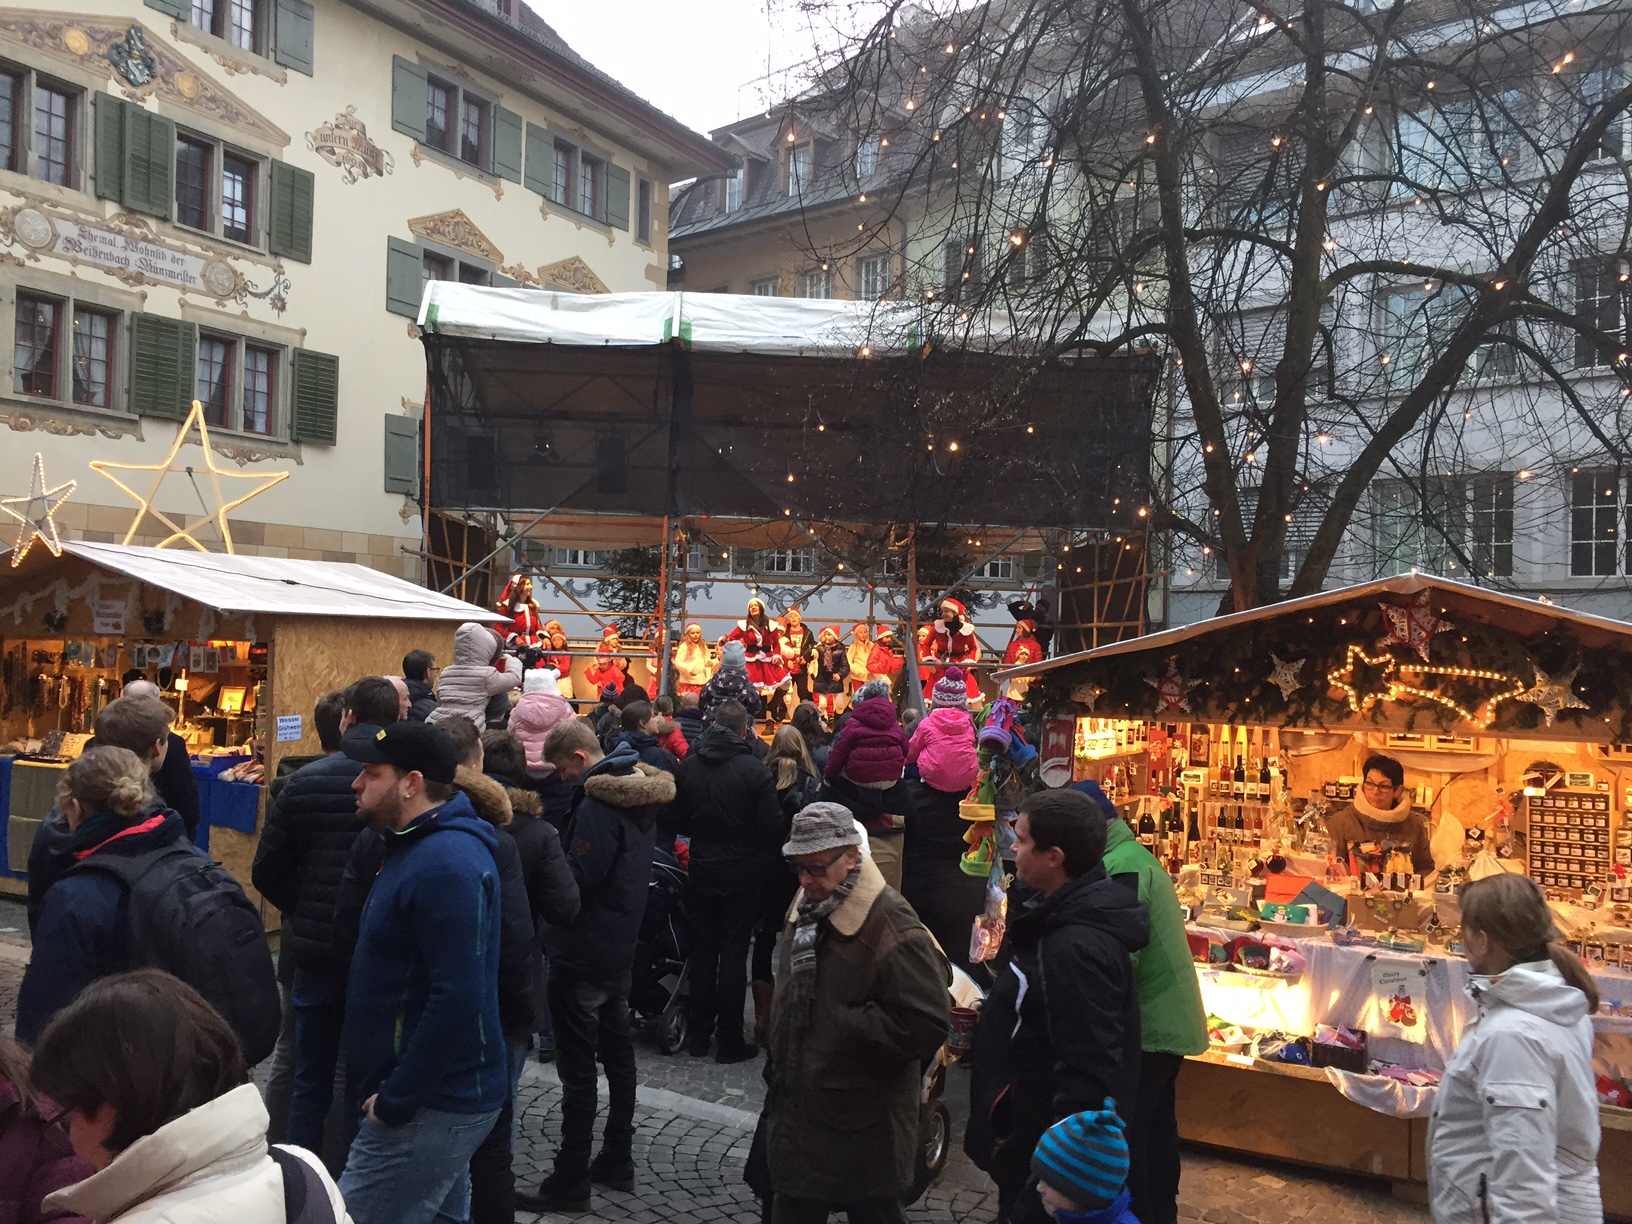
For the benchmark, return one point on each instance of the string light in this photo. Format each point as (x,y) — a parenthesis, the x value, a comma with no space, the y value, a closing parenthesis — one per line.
(40,505)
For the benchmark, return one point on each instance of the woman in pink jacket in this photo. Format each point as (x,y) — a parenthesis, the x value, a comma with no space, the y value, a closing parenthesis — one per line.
(943,743)
(539,711)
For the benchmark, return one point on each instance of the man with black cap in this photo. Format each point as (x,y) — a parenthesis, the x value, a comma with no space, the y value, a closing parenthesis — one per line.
(422,1024)
(861,1004)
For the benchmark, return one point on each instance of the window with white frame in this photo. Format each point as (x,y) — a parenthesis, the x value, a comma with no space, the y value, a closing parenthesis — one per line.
(800,162)
(66,351)
(1447,525)
(458,122)
(1596,88)
(733,191)
(875,274)
(579,180)
(1595,523)
(41,122)
(1599,284)
(1491,503)
(1024,133)
(241,22)
(236,382)
(788,560)
(218,188)
(817,283)
(643,210)
(999,569)
(1413,325)
(764,288)
(579,558)
(866,158)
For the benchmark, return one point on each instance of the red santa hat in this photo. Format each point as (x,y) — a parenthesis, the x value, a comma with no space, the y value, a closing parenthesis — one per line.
(955,606)
(611,631)
(883,631)
(694,625)
(827,629)
(1030,626)
(754,601)
(554,626)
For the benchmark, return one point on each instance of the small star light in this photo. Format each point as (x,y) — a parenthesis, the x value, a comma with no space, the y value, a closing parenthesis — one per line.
(1553,696)
(38,507)
(1087,694)
(1286,675)
(1172,690)
(1414,625)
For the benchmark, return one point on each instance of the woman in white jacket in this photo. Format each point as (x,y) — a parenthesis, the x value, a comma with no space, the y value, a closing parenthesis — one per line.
(159,1103)
(1514,1134)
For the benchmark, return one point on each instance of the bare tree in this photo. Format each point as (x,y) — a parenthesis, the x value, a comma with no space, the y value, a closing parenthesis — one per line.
(1381,246)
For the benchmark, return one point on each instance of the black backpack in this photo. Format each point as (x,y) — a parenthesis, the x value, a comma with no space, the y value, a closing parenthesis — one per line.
(189,917)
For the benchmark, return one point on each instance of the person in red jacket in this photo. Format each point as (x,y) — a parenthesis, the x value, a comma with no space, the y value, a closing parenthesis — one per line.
(762,648)
(882,661)
(605,670)
(517,602)
(954,641)
(1022,650)
(930,661)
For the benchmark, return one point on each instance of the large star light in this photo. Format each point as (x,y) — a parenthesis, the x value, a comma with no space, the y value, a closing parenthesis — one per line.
(38,507)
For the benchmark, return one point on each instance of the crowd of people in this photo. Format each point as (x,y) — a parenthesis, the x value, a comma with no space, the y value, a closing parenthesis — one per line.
(463,874)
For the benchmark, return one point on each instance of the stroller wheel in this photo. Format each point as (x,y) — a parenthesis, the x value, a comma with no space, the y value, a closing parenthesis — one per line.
(934,1143)
(673,1028)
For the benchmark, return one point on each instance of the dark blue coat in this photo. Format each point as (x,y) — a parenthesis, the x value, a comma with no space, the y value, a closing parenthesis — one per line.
(81,934)
(422,1002)
(649,750)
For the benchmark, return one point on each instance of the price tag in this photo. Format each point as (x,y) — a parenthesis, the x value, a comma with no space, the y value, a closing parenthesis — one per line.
(288,728)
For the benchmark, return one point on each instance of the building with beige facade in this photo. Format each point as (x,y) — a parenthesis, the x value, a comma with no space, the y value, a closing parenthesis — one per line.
(239,201)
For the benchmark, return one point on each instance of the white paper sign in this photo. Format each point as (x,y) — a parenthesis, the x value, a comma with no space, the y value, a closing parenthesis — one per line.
(108,616)
(1399,991)
(288,728)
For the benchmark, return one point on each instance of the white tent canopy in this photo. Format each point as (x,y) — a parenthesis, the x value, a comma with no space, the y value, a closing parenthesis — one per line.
(235,583)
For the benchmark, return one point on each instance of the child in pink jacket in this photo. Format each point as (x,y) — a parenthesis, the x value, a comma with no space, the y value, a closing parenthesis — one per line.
(943,742)
(539,711)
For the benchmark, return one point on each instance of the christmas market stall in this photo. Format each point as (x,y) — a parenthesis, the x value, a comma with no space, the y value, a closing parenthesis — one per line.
(241,646)
(1324,898)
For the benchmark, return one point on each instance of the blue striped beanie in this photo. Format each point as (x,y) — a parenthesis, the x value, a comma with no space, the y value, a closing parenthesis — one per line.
(1084,1157)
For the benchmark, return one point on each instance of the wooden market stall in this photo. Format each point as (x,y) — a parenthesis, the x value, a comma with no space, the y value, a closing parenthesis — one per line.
(243,646)
(1229,743)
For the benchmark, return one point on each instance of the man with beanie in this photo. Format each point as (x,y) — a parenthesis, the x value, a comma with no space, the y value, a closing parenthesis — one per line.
(731,683)
(1172,1020)
(1059,1031)
(861,1004)
(1080,1164)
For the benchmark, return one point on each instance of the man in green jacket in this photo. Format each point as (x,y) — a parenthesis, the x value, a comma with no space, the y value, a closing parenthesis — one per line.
(1173,1022)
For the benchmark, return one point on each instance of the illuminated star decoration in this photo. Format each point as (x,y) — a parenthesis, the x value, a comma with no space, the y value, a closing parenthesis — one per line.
(1087,694)
(1172,690)
(1553,695)
(223,508)
(38,507)
(1414,625)
(1287,675)
(1402,681)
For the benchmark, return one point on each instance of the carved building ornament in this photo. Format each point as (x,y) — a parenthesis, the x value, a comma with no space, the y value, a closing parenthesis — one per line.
(344,144)
(573,275)
(454,229)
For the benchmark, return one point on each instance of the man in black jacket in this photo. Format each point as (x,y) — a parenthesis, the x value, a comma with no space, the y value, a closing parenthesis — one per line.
(725,800)
(1060,1028)
(298,867)
(609,841)
(419,673)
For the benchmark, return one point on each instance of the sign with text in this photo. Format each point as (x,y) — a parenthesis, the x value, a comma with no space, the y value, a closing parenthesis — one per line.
(288,728)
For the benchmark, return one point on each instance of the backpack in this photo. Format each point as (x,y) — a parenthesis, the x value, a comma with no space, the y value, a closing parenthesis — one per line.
(305,1197)
(189,917)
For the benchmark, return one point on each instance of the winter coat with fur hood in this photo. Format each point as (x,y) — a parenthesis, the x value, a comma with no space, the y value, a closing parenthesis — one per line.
(1514,1133)
(473,677)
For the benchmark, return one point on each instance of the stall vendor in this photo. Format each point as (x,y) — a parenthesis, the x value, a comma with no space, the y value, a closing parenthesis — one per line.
(1380,821)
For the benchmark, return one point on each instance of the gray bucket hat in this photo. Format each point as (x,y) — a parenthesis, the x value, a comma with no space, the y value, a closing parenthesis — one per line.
(822,826)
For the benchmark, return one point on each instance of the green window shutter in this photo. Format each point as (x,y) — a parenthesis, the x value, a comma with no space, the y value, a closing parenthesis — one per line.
(314,396)
(148,176)
(110,146)
(507,144)
(181,10)
(290,230)
(617,196)
(163,371)
(540,172)
(402,455)
(404,277)
(292,35)
(407,98)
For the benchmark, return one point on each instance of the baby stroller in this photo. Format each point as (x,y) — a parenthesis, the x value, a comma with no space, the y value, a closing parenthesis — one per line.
(660,983)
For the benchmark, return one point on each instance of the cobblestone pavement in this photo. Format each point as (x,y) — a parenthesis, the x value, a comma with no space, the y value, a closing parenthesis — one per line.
(695,1119)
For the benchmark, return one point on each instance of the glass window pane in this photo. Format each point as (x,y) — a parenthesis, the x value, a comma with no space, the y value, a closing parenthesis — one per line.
(438,114)
(241,19)
(561,185)
(205,15)
(237,198)
(438,267)
(259,367)
(589,187)
(214,376)
(34,358)
(1595,513)
(193,183)
(53,135)
(10,146)
(473,132)
(93,357)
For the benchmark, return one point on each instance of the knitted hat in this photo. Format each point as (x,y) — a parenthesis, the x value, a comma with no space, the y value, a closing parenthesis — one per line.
(610,692)
(1106,808)
(822,826)
(1084,1157)
(541,680)
(733,657)
(949,692)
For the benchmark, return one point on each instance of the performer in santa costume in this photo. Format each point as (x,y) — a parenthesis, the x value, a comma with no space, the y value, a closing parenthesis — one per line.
(605,670)
(930,661)
(882,661)
(1022,650)
(762,645)
(553,637)
(692,665)
(832,666)
(861,648)
(798,649)
(955,642)
(518,604)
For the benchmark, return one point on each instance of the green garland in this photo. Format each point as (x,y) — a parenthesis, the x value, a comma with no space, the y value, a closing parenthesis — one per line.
(1234,665)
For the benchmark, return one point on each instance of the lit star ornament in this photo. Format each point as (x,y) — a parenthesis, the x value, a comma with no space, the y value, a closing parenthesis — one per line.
(36,513)
(218,516)
(1553,695)
(1413,625)
(1287,675)
(1172,690)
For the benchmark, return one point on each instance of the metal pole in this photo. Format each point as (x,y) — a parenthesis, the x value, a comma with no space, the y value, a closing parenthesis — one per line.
(663,608)
(915,682)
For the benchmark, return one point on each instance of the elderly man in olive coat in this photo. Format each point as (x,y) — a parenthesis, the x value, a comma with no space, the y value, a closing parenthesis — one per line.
(861,1005)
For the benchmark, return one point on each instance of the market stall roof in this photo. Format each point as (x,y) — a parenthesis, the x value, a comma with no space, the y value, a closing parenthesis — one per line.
(278,585)
(1518,613)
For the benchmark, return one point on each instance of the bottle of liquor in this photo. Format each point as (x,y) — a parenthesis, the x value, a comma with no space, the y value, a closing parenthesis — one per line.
(1240,819)
(1238,781)
(1147,829)
(1193,833)
(1266,789)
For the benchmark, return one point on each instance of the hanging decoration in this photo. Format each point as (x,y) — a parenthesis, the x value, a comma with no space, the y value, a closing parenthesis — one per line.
(1483,716)
(1343,678)
(1413,625)
(1553,695)
(1087,694)
(223,507)
(39,506)
(1172,689)
(1286,675)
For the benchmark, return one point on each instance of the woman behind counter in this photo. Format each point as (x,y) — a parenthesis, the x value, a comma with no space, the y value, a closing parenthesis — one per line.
(1380,821)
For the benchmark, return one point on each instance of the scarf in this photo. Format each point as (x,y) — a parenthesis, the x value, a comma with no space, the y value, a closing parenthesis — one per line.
(1383,816)
(801,984)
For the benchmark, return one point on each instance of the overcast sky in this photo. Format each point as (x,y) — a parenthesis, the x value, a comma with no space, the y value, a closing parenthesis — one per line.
(704,64)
